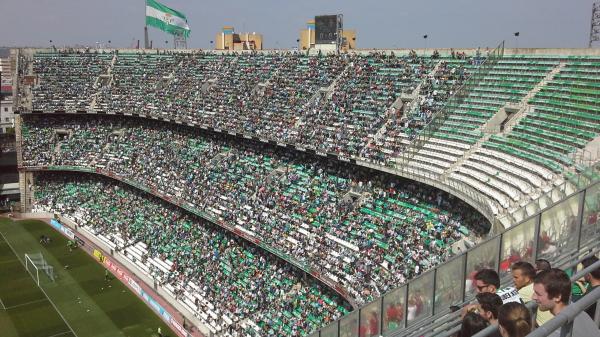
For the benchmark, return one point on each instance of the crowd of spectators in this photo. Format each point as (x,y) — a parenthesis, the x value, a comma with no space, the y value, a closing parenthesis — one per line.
(407,121)
(81,70)
(368,232)
(237,279)
(342,103)
(345,120)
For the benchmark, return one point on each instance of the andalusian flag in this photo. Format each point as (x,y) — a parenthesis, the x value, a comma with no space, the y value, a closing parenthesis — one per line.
(166,19)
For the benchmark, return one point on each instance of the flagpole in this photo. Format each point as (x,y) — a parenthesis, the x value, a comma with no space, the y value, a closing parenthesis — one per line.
(146,45)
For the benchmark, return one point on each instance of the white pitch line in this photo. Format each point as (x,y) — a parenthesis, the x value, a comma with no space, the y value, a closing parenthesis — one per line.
(60,334)
(42,289)
(26,303)
(2,303)
(8,261)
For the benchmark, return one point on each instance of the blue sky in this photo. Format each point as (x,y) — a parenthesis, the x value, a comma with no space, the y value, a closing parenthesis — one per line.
(379,23)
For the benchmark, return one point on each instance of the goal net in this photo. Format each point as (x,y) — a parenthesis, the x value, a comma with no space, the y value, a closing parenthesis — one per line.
(36,264)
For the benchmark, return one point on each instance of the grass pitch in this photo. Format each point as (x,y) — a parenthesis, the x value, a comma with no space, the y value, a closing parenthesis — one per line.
(81,303)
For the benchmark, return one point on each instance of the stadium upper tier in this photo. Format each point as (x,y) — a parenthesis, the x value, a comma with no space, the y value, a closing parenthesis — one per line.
(234,287)
(333,103)
(366,231)
(511,137)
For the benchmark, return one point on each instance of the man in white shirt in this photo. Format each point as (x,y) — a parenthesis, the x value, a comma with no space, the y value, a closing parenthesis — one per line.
(488,281)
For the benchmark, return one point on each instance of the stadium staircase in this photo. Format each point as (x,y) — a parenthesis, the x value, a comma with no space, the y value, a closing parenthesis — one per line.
(22,175)
(331,89)
(524,106)
(99,82)
(399,102)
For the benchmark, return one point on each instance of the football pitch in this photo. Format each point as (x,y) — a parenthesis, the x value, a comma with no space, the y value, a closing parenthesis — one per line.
(79,303)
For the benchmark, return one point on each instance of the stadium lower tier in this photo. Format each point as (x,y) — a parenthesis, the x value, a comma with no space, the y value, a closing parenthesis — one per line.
(367,231)
(235,287)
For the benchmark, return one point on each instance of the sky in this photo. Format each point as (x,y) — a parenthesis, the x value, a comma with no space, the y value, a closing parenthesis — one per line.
(378,23)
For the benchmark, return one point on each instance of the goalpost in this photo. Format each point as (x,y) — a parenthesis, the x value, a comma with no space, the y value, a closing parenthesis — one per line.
(38,263)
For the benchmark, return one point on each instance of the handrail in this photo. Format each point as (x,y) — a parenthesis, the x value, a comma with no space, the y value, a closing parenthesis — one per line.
(588,269)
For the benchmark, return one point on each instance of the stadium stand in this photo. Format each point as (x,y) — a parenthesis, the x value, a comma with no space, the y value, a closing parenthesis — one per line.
(365,232)
(514,136)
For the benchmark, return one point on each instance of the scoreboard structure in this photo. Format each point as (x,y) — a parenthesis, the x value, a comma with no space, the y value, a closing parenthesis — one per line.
(329,30)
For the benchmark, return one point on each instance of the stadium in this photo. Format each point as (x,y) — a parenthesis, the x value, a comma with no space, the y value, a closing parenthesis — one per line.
(320,192)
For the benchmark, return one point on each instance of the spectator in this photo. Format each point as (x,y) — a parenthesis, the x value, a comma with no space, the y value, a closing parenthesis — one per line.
(488,280)
(514,320)
(552,291)
(472,323)
(523,274)
(542,264)
(593,281)
(489,304)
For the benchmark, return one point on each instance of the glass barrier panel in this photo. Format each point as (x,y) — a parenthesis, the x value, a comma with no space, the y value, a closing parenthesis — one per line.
(533,207)
(519,215)
(349,325)
(420,297)
(448,284)
(481,257)
(314,334)
(393,310)
(331,330)
(558,229)
(517,245)
(370,319)
(590,227)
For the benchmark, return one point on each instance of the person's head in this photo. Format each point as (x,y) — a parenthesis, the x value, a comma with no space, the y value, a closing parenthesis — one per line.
(514,320)
(542,264)
(594,275)
(522,273)
(472,323)
(489,304)
(487,281)
(551,290)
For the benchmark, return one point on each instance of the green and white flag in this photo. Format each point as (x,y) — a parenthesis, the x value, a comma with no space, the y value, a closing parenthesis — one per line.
(166,19)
